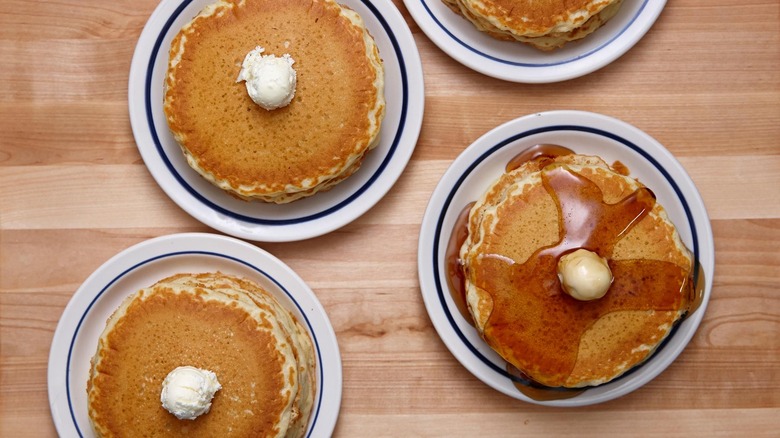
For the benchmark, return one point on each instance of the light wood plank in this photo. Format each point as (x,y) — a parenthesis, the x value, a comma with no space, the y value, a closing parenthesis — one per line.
(83,192)
(704,81)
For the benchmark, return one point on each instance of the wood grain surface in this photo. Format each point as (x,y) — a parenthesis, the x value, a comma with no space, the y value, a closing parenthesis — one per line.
(704,81)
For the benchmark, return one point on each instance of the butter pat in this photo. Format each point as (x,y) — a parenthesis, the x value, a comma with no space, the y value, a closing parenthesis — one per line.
(187,392)
(584,275)
(270,80)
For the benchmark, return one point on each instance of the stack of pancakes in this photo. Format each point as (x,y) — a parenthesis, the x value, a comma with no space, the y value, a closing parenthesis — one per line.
(278,156)
(544,24)
(262,357)
(545,208)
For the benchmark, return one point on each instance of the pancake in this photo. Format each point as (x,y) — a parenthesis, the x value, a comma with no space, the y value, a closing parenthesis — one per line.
(262,357)
(278,156)
(549,207)
(546,25)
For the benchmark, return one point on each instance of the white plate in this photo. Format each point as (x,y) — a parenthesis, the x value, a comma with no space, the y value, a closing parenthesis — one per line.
(82,322)
(306,218)
(484,161)
(517,62)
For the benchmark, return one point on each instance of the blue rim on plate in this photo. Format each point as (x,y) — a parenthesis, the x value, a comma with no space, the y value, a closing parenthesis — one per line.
(462,41)
(255,220)
(144,260)
(260,271)
(447,202)
(509,140)
(306,217)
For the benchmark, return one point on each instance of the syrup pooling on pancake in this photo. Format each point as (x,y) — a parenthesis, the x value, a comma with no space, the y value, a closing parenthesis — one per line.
(455,277)
(537,152)
(586,222)
(460,231)
(551,203)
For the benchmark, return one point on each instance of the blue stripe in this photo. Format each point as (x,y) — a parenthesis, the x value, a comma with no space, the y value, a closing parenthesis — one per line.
(528,64)
(183,253)
(439,225)
(265,221)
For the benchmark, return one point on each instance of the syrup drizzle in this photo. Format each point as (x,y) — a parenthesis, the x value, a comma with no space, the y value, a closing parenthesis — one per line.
(585,222)
(455,277)
(542,153)
(528,319)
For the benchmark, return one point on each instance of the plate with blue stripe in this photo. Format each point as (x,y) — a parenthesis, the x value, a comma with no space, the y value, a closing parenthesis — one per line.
(306,218)
(481,163)
(142,265)
(517,62)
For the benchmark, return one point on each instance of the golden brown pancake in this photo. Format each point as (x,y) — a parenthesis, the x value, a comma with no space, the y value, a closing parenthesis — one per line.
(549,207)
(282,155)
(262,357)
(546,25)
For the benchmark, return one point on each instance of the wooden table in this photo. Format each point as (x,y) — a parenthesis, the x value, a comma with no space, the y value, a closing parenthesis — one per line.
(704,81)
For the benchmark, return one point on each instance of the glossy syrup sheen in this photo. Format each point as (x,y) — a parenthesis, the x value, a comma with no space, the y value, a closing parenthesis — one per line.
(455,277)
(542,153)
(538,327)
(528,319)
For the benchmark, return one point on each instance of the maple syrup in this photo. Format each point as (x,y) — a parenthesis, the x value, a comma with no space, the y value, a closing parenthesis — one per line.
(455,277)
(543,153)
(537,391)
(553,322)
(620,168)
(696,296)
(585,221)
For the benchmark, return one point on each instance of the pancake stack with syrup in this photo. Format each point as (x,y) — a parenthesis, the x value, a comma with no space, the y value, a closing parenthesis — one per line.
(542,210)
(277,156)
(262,357)
(544,24)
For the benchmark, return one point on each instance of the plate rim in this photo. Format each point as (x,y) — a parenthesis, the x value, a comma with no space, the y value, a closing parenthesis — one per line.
(320,219)
(234,251)
(583,61)
(429,248)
